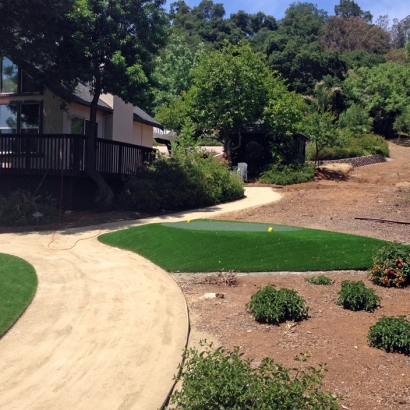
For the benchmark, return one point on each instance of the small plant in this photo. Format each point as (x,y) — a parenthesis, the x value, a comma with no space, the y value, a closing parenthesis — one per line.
(355,296)
(391,266)
(270,305)
(219,379)
(319,280)
(19,207)
(282,174)
(391,334)
(222,278)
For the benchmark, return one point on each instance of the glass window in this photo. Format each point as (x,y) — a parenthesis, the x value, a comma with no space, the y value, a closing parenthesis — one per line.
(80,126)
(30,118)
(77,126)
(9,76)
(8,119)
(28,85)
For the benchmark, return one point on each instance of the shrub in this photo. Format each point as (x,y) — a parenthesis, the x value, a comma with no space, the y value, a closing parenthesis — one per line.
(355,296)
(19,207)
(282,174)
(218,379)
(391,266)
(357,146)
(270,305)
(319,280)
(391,334)
(186,181)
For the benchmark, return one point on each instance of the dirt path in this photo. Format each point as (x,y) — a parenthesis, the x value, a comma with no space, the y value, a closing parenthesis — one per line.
(375,191)
(106,327)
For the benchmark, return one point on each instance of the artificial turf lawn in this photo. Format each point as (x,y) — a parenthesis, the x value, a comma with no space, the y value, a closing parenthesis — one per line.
(187,250)
(18,284)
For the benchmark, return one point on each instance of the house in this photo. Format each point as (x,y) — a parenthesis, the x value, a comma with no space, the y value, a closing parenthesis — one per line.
(43,135)
(28,108)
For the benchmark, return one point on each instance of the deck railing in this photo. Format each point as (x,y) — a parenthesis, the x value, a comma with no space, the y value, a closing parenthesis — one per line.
(34,154)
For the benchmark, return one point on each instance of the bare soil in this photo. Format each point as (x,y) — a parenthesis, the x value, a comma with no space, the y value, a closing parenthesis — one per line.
(366,377)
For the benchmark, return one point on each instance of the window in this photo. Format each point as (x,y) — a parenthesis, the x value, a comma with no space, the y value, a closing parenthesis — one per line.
(80,126)
(14,81)
(9,76)
(20,118)
(8,119)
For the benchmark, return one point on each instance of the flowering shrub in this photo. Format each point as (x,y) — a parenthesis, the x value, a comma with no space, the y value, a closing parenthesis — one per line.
(391,266)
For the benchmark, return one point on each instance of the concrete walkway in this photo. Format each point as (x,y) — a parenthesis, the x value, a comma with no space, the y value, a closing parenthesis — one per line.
(106,328)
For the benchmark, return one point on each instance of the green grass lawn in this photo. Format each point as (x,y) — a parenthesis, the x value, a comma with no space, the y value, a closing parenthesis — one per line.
(250,249)
(18,284)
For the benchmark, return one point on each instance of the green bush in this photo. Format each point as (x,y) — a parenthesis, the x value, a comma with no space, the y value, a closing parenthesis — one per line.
(391,334)
(355,296)
(186,181)
(270,305)
(217,379)
(282,174)
(19,207)
(391,266)
(319,280)
(358,146)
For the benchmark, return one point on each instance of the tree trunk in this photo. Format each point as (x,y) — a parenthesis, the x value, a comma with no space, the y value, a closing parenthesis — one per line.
(104,198)
(228,146)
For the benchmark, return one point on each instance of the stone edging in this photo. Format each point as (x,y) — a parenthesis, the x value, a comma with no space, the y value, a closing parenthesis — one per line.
(356,162)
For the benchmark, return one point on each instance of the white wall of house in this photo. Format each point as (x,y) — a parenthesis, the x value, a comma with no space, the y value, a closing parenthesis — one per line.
(122,121)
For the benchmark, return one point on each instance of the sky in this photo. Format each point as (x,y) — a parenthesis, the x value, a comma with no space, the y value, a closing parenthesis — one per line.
(393,8)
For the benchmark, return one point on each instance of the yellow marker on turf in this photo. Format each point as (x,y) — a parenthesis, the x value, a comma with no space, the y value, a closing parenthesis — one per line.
(270,229)
(188,220)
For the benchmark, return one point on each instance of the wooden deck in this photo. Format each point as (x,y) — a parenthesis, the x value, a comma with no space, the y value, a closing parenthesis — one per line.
(25,154)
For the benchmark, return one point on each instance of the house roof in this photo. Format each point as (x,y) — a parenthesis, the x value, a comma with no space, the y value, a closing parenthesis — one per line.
(142,116)
(82,95)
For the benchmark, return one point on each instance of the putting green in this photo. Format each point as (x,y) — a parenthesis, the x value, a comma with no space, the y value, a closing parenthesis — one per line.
(231,226)
(209,246)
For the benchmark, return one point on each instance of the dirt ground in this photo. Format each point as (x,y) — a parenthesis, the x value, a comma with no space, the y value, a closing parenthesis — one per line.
(366,377)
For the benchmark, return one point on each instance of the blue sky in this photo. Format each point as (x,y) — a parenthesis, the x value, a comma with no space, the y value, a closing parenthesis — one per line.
(394,8)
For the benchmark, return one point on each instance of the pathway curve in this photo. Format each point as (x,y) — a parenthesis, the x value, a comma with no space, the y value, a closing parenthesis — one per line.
(106,327)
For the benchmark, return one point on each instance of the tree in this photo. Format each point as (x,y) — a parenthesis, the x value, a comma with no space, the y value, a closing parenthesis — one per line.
(353,33)
(402,122)
(383,90)
(172,74)
(399,33)
(283,115)
(319,123)
(348,8)
(32,34)
(230,90)
(109,45)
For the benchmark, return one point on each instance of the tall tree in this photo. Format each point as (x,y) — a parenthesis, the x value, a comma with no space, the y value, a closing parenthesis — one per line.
(229,91)
(349,8)
(319,123)
(109,45)
(353,33)
(173,71)
(383,90)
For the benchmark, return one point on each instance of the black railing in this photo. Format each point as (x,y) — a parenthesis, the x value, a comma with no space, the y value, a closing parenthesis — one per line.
(32,154)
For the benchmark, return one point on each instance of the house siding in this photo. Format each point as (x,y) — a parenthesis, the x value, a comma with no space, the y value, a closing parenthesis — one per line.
(143,134)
